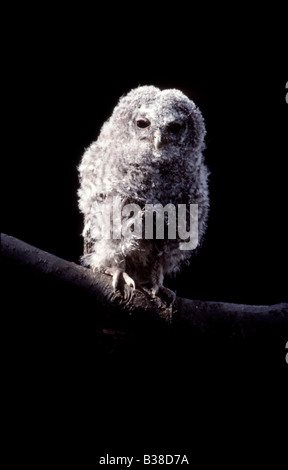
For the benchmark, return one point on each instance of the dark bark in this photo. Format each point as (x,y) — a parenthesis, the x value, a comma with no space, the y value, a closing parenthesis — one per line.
(204,316)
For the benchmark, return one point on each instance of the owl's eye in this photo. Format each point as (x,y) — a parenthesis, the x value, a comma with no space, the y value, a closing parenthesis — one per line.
(174,127)
(142,123)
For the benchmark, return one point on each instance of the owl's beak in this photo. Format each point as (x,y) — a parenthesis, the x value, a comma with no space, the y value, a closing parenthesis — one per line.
(157,139)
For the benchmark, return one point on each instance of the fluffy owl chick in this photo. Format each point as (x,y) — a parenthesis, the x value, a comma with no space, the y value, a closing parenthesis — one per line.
(148,154)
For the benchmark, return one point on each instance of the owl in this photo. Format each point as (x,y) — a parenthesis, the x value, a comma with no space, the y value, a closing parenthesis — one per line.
(146,162)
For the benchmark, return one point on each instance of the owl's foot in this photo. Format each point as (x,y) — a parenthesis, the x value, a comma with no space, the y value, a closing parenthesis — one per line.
(167,295)
(121,282)
(163,295)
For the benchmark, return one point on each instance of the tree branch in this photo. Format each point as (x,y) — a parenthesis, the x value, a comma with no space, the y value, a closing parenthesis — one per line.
(234,320)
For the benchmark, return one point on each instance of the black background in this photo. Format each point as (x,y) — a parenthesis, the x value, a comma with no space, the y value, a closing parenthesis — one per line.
(64,72)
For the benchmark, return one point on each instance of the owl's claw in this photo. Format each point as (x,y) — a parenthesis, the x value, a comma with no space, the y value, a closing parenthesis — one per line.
(122,282)
(167,295)
(163,295)
(117,274)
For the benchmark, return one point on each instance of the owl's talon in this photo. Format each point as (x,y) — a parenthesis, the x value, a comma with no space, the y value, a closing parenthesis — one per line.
(115,278)
(168,294)
(128,294)
(122,282)
(161,294)
(128,280)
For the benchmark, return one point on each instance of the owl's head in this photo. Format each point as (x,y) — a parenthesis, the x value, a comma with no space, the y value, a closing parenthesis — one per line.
(160,119)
